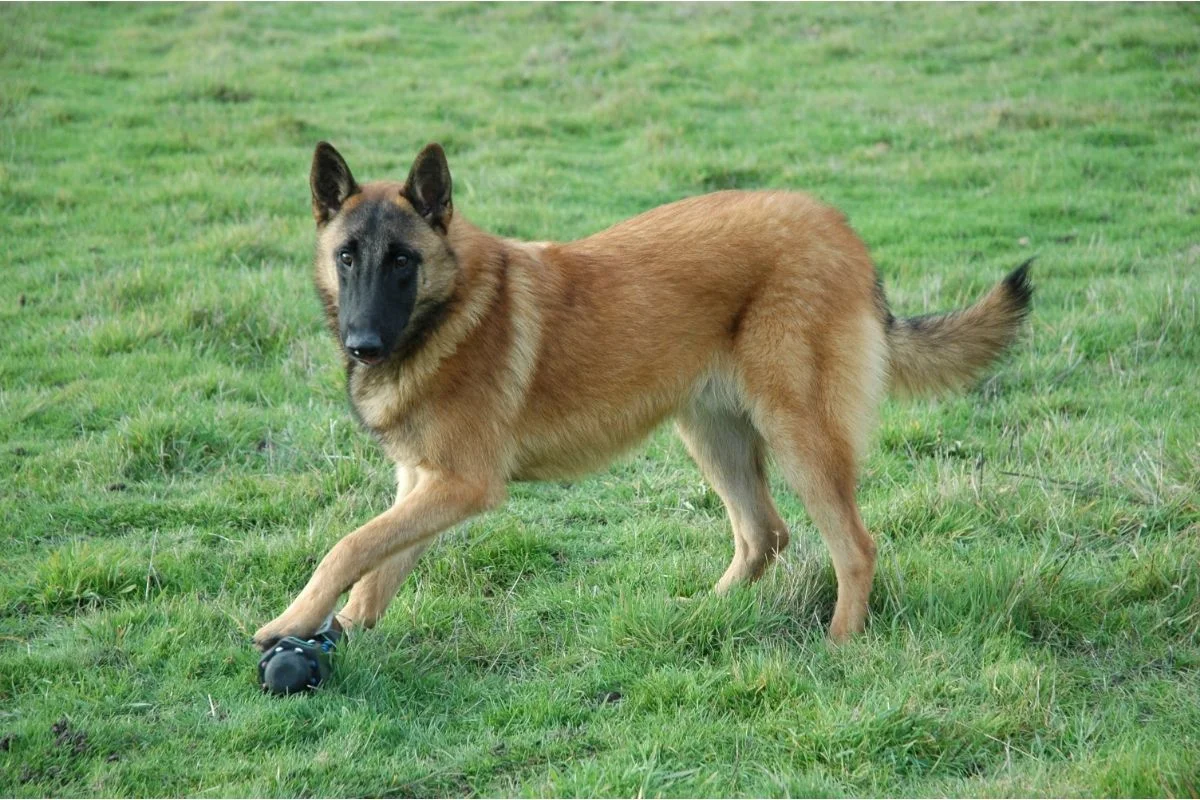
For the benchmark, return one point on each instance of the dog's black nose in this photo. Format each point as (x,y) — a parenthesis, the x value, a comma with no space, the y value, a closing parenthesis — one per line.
(366,347)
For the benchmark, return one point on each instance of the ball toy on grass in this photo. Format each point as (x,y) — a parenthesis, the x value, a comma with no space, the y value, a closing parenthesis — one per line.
(296,665)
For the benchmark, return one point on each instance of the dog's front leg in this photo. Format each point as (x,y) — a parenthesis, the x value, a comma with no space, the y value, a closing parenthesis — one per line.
(437,502)
(373,592)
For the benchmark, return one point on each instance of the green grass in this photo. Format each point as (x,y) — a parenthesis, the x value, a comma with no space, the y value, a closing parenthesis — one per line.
(177,452)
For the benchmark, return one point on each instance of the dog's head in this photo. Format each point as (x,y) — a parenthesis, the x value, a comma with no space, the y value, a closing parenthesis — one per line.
(383,257)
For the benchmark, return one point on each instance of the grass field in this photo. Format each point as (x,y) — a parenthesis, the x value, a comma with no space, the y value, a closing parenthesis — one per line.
(177,451)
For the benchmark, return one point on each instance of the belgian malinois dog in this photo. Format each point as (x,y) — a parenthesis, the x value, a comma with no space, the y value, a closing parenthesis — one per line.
(755,319)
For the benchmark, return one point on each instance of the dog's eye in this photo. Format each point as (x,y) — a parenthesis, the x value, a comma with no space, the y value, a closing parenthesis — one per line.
(345,258)
(401,261)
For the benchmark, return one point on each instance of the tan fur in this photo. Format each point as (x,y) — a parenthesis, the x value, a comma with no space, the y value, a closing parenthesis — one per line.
(752,318)
(946,352)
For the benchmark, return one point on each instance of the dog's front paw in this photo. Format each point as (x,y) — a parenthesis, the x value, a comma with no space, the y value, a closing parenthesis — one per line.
(286,624)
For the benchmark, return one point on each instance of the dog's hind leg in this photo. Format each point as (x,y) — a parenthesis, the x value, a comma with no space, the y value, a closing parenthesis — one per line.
(729,451)
(819,464)
(815,414)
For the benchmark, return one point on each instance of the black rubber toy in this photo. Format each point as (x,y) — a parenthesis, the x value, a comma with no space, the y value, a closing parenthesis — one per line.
(296,665)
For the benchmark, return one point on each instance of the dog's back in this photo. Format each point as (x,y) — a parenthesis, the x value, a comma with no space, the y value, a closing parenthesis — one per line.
(634,321)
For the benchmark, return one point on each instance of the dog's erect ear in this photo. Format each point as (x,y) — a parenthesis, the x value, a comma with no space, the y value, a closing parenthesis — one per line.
(331,182)
(428,186)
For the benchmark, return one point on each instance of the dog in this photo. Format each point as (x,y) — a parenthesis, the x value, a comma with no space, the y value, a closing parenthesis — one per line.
(756,320)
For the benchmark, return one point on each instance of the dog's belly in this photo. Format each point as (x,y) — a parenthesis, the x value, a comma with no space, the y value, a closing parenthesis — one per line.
(573,445)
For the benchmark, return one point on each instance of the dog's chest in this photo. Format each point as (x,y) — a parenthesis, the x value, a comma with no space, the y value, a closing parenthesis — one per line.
(378,399)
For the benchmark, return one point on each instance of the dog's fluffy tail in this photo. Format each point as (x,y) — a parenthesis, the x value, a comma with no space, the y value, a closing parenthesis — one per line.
(939,352)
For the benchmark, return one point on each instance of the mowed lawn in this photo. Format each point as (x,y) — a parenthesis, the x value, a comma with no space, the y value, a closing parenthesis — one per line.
(177,453)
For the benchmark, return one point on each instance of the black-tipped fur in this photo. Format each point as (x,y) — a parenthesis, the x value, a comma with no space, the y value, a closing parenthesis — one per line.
(936,352)
(1019,288)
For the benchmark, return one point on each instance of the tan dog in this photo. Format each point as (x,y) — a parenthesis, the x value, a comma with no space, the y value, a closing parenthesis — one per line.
(754,319)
